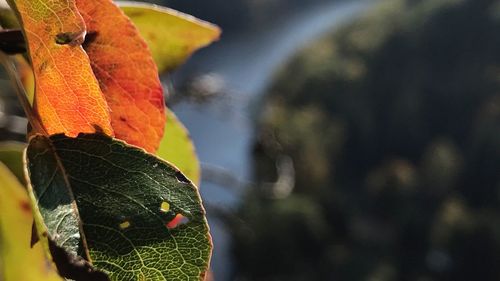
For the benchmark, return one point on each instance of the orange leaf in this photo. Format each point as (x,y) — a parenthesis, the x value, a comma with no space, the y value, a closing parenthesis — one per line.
(126,73)
(67,96)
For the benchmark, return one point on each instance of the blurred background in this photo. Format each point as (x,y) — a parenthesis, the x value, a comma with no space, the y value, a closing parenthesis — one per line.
(344,140)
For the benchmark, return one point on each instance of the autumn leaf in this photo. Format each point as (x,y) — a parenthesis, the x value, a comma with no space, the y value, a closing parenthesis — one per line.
(126,73)
(172,36)
(67,95)
(120,219)
(18,261)
(177,148)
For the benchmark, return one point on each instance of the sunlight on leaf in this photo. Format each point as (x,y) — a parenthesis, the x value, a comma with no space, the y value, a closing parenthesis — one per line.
(177,148)
(126,73)
(18,261)
(119,192)
(67,96)
(171,35)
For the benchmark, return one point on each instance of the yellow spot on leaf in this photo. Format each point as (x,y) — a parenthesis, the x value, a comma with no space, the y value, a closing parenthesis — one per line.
(165,207)
(125,225)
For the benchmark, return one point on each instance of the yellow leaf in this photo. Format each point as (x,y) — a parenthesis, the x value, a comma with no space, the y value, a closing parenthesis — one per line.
(171,35)
(18,261)
(177,148)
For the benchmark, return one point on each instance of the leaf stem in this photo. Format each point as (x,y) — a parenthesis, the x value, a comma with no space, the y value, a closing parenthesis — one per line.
(21,94)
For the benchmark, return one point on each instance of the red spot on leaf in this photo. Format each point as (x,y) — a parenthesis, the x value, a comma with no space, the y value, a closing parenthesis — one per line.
(178,220)
(25,206)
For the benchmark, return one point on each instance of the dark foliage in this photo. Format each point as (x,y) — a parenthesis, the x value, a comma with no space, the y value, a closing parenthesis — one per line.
(393,123)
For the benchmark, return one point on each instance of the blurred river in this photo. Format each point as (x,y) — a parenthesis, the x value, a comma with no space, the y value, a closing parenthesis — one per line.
(223,130)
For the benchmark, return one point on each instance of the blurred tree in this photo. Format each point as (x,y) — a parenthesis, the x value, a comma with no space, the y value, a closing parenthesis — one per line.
(393,124)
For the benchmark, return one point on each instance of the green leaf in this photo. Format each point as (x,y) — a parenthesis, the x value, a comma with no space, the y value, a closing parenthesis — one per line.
(177,148)
(16,255)
(171,35)
(11,154)
(119,207)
